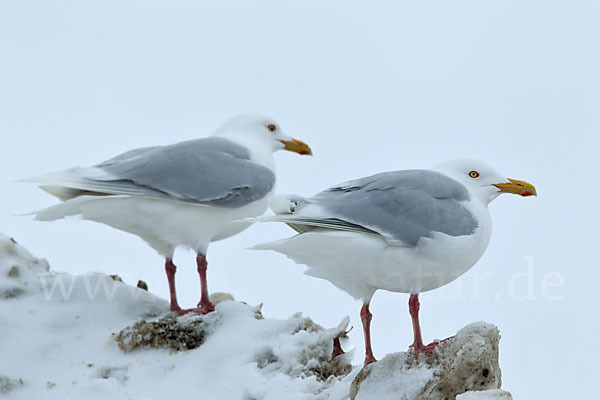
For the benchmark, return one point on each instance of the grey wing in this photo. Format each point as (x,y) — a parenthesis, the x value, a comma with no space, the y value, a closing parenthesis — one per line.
(402,206)
(210,171)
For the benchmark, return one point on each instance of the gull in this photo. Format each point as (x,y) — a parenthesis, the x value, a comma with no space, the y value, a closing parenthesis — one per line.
(187,194)
(405,231)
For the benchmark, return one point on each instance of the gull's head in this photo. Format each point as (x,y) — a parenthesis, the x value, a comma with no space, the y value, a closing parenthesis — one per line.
(483,181)
(257,131)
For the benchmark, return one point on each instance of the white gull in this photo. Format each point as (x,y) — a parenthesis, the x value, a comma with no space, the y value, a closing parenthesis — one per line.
(186,194)
(402,231)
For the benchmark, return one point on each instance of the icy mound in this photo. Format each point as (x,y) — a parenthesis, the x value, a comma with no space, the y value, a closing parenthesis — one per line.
(60,336)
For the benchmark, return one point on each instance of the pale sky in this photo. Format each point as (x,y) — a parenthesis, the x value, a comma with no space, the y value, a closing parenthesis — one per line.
(371,87)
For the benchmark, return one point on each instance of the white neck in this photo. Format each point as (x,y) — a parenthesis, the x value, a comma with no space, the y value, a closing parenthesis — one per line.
(261,151)
(263,157)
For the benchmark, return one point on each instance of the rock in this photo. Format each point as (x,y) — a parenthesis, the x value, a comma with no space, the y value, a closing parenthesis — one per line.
(176,334)
(492,394)
(219,297)
(466,362)
(11,293)
(142,285)
(20,267)
(7,384)
(14,272)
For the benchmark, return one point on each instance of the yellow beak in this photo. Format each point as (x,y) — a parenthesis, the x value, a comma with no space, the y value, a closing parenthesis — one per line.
(297,146)
(517,187)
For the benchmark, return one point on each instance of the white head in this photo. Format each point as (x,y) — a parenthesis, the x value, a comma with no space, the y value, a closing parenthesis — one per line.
(483,181)
(259,132)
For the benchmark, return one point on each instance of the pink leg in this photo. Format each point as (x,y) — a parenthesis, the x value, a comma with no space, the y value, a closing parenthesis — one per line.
(337,348)
(413,309)
(170,268)
(418,346)
(365,317)
(204,306)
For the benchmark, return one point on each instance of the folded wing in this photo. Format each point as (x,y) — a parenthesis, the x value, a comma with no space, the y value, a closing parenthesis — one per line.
(211,171)
(401,206)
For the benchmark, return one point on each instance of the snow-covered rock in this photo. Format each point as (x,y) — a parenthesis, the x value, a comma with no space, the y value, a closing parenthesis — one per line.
(467,361)
(62,336)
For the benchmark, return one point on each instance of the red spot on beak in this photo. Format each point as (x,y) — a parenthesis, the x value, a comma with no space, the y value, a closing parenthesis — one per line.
(526,193)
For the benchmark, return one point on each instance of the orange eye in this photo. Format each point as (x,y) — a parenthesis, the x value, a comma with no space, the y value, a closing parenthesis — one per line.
(272,127)
(474,174)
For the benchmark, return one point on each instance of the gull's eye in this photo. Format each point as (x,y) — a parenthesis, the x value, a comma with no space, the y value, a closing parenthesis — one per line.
(474,174)
(272,127)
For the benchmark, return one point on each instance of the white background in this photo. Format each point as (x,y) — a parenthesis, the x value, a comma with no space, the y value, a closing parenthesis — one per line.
(371,87)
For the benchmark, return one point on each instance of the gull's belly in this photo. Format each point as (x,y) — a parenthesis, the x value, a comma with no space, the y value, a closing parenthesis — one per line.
(433,263)
(164,224)
(436,260)
(196,226)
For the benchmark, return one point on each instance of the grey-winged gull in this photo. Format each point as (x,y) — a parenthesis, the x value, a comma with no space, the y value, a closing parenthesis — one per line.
(403,231)
(186,194)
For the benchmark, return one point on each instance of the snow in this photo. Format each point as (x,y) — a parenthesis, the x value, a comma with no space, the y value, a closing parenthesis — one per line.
(57,341)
